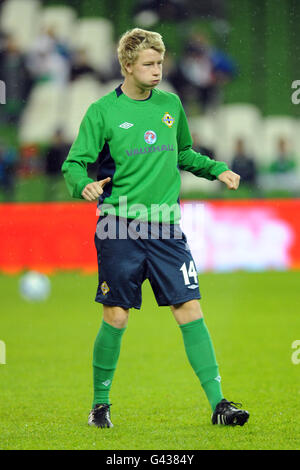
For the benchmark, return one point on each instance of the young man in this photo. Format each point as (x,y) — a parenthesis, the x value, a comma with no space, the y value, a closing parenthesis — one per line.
(141,137)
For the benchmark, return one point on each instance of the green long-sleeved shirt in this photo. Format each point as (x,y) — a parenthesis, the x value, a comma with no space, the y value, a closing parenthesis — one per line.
(141,145)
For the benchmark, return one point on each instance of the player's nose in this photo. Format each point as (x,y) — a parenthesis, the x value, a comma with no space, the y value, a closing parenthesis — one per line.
(157,70)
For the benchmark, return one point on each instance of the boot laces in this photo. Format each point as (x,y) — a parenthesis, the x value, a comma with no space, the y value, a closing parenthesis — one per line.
(101,409)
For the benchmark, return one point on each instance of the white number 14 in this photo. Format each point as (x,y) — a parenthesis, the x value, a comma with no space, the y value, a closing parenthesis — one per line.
(189,273)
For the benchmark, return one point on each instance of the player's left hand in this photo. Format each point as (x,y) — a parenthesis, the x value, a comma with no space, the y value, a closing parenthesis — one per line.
(231,179)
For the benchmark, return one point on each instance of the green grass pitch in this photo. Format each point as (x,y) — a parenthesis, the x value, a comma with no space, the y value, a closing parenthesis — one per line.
(157,402)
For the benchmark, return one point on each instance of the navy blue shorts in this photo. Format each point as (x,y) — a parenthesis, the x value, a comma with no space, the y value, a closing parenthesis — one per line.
(125,263)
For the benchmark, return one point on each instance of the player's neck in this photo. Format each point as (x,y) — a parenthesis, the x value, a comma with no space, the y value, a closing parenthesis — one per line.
(133,91)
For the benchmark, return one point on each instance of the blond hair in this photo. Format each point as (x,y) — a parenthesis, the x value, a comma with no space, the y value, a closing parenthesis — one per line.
(134,41)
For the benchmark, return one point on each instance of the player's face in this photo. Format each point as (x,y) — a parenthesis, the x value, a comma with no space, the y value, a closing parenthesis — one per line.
(146,72)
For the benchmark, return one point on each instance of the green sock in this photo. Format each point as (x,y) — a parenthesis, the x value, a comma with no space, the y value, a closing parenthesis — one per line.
(201,355)
(105,357)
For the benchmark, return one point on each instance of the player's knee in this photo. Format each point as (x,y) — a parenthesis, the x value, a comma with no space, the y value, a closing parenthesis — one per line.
(187,311)
(115,316)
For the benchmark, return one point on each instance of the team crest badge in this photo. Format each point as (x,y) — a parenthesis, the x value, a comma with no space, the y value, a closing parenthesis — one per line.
(168,119)
(150,137)
(104,288)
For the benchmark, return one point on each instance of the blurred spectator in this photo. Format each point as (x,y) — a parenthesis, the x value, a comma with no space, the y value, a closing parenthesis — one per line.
(49,59)
(201,72)
(55,156)
(115,69)
(244,165)
(8,165)
(198,147)
(30,160)
(80,65)
(14,73)
(153,11)
(194,74)
(284,161)
(2,45)
(169,68)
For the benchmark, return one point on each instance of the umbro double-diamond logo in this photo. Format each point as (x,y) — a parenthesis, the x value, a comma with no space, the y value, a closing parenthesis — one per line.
(106,383)
(126,125)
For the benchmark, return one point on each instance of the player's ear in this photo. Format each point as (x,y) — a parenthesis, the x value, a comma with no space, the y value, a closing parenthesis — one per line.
(127,68)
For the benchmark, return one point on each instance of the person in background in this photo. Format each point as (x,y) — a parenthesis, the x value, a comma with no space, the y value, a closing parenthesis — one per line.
(15,75)
(244,164)
(284,162)
(49,59)
(201,72)
(55,156)
(8,166)
(80,66)
(203,149)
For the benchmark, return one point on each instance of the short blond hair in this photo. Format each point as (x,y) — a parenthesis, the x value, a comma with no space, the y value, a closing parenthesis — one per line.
(134,41)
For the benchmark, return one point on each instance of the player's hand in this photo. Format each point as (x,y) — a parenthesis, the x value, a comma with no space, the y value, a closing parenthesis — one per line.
(231,179)
(93,190)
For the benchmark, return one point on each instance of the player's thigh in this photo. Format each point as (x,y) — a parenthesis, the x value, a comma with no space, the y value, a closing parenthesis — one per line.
(172,271)
(120,272)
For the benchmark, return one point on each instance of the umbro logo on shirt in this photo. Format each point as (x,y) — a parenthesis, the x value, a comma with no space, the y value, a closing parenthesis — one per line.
(126,125)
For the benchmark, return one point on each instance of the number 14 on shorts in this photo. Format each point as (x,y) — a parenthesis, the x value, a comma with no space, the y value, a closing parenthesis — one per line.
(189,273)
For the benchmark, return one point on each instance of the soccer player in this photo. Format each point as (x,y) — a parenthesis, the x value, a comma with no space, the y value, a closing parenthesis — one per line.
(140,137)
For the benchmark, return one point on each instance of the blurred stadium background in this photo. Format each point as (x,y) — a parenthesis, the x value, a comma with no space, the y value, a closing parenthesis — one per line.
(235,65)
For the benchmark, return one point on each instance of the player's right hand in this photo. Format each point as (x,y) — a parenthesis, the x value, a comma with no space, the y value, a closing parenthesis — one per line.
(93,190)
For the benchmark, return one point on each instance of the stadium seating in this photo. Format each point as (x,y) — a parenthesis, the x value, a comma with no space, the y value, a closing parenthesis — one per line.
(20,19)
(191,183)
(61,19)
(273,128)
(166,86)
(110,85)
(95,35)
(204,128)
(80,94)
(43,114)
(236,121)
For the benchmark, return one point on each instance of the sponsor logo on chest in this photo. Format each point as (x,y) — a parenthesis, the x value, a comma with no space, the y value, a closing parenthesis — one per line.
(150,138)
(155,148)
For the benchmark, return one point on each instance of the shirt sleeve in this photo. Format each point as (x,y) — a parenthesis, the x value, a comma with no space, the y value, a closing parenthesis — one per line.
(188,159)
(85,150)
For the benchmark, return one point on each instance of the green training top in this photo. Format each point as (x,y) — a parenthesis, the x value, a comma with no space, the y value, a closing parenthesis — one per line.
(141,145)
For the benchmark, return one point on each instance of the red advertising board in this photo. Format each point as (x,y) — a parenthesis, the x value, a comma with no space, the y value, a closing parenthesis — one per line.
(223,235)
